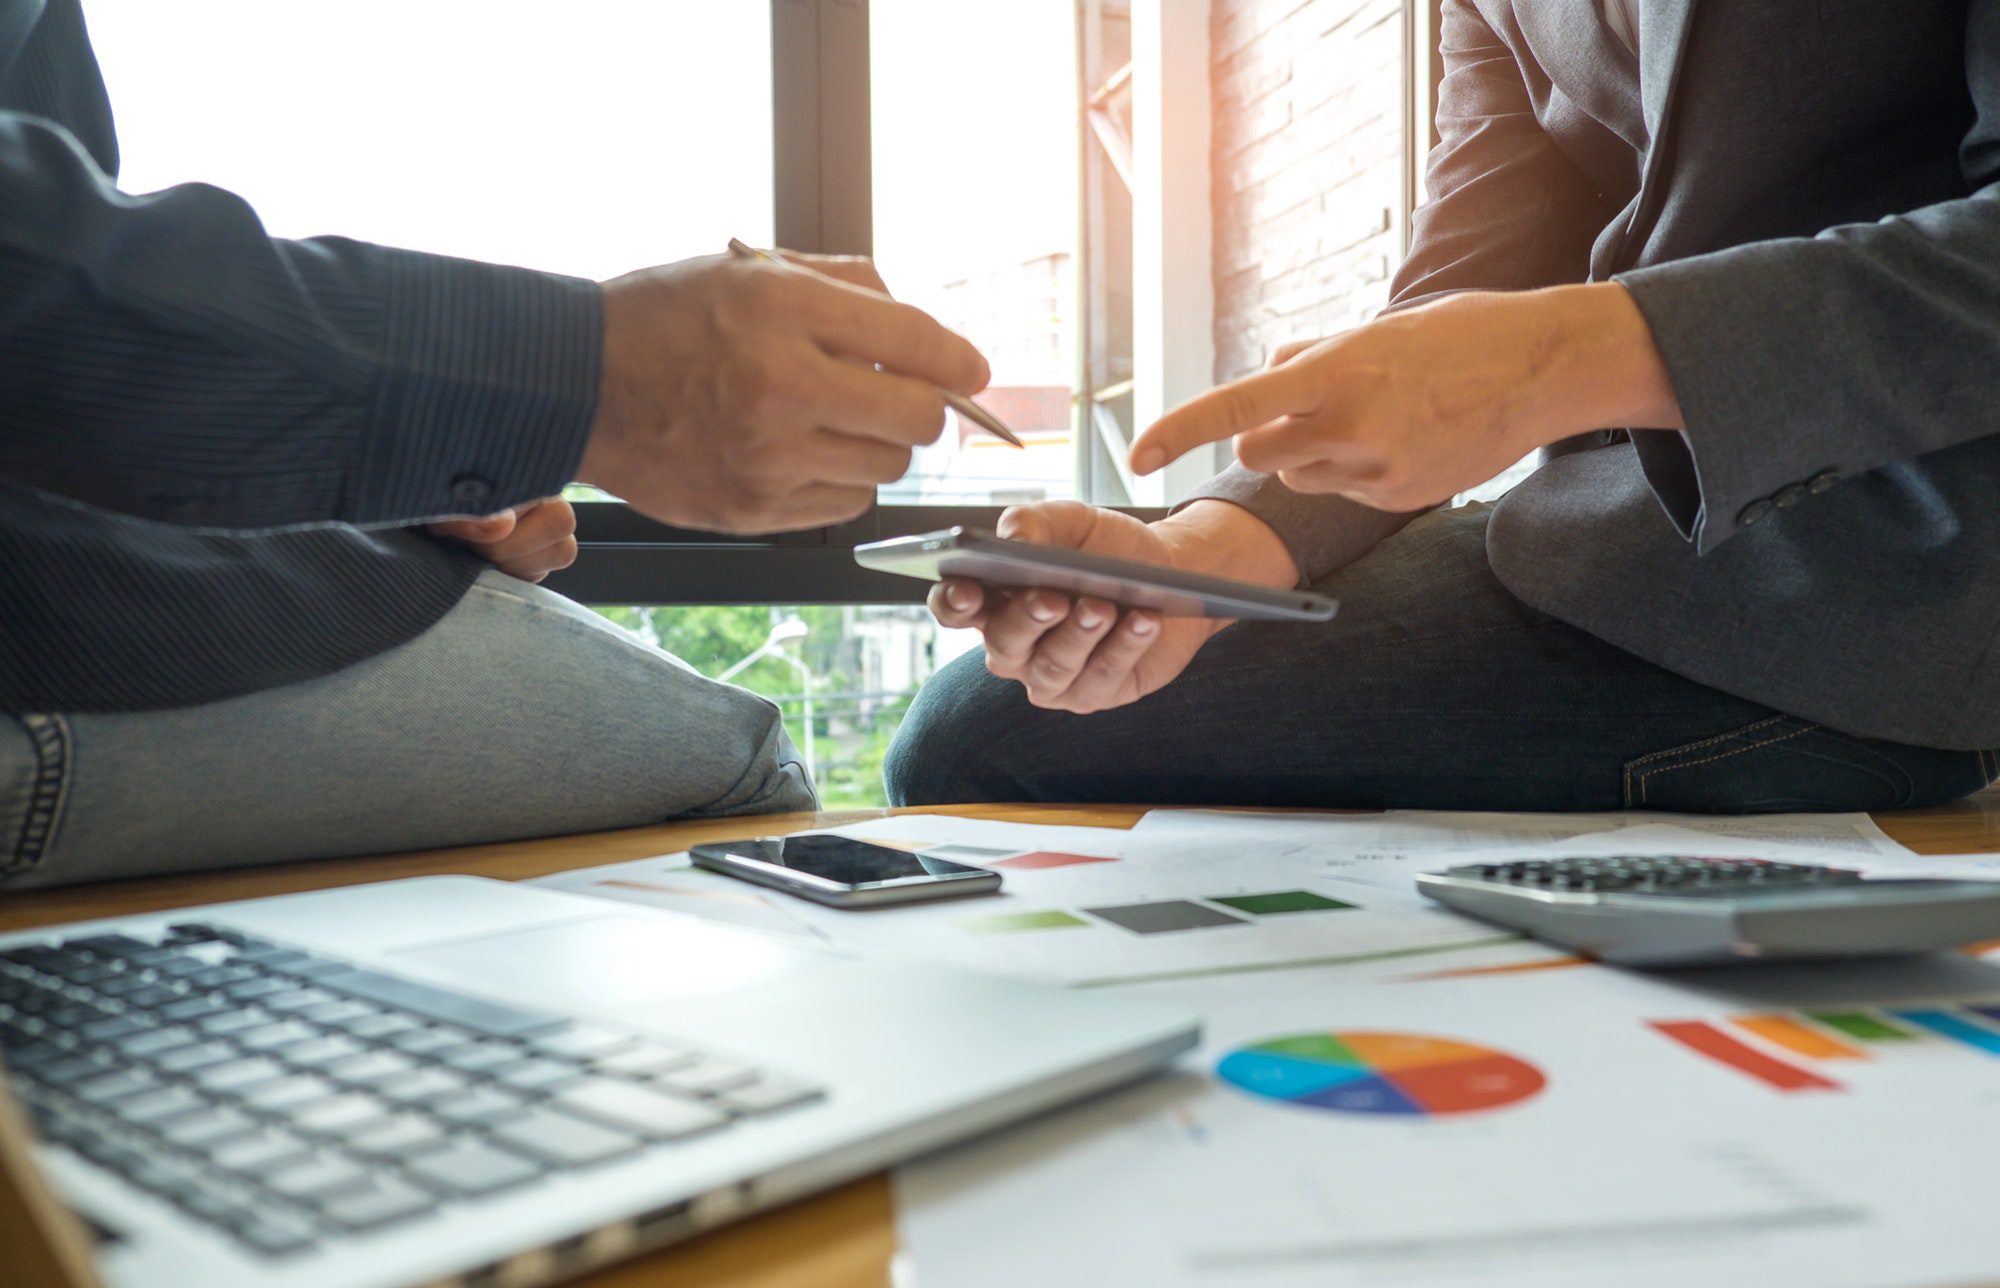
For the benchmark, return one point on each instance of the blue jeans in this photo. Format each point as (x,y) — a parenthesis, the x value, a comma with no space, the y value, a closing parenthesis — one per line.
(1434,688)
(519,714)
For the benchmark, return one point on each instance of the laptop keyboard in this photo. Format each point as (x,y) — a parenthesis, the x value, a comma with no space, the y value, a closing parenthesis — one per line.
(288,1098)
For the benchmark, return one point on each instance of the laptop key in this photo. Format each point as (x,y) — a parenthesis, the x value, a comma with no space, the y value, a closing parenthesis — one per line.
(302,998)
(341,1012)
(492,1018)
(707,1076)
(316,1177)
(258,1152)
(471,1168)
(153,1041)
(582,1041)
(563,1139)
(233,1021)
(321,1051)
(479,1105)
(370,1067)
(340,1115)
(371,1027)
(109,945)
(638,1108)
(193,1008)
(383,1200)
(401,1136)
(118,1026)
(770,1092)
(206,1126)
(645,1059)
(274,1236)
(236,1074)
(188,1059)
(70,1069)
(250,990)
(108,1087)
(426,1041)
(285,1093)
(536,1074)
(422,1085)
(153,1106)
(271,1037)
(479,1055)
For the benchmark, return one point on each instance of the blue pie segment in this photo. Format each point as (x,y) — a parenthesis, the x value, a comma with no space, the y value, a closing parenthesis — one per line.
(1284,1077)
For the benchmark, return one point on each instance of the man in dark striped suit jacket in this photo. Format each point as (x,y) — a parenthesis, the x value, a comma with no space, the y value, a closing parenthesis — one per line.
(224,635)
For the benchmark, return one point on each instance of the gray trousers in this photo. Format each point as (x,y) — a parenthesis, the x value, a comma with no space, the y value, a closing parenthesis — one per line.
(519,714)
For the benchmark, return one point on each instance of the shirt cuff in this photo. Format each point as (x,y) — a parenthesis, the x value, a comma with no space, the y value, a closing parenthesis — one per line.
(487,389)
(1324,533)
(1738,460)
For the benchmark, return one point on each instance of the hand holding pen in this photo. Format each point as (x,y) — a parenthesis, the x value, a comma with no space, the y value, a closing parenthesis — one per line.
(959,403)
(741,396)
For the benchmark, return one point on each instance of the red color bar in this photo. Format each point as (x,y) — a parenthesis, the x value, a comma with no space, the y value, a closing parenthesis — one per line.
(1723,1049)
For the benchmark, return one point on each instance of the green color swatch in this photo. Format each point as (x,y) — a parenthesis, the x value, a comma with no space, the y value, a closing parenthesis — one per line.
(1007,923)
(1860,1024)
(1263,905)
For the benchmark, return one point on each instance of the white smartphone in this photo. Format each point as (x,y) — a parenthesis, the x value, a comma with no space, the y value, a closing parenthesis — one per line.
(996,561)
(843,873)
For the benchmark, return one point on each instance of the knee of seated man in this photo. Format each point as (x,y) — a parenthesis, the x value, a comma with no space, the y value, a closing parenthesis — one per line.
(943,754)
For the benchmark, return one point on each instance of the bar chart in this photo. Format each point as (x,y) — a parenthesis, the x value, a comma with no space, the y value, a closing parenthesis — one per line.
(1803,1051)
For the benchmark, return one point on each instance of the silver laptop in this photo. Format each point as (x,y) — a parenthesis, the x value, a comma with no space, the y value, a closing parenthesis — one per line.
(465,1081)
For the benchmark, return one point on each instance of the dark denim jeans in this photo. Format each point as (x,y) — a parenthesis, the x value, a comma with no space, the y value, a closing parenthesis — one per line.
(1434,688)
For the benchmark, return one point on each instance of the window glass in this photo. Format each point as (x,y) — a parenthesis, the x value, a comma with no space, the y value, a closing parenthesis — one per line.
(591,137)
(974,117)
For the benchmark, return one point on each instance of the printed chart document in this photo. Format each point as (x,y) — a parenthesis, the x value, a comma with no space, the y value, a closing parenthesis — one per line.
(1823,1126)
(1083,905)
(1426,835)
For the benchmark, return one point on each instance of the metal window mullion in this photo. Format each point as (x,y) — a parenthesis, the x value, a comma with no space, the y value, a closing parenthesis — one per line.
(823,185)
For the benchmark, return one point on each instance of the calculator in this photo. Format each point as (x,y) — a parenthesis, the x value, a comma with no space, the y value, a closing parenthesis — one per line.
(1648,910)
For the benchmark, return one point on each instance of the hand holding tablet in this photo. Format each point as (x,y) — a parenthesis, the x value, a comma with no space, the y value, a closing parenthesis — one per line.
(996,561)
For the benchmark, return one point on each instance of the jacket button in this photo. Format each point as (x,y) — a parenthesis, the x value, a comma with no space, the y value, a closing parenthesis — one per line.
(1821,481)
(1787,497)
(1753,513)
(471,493)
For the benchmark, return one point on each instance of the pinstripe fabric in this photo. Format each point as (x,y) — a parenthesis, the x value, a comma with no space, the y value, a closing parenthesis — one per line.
(198,420)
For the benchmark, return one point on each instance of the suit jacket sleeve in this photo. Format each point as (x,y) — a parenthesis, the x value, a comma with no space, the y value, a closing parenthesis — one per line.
(162,356)
(1507,210)
(1833,354)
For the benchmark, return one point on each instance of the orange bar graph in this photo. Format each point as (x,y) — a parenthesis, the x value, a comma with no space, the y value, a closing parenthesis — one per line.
(1799,1039)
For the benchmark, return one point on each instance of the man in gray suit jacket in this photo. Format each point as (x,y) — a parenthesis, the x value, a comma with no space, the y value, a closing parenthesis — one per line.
(1764,238)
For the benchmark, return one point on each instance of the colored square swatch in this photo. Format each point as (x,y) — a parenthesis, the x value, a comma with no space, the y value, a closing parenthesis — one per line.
(1264,905)
(1008,923)
(1168,914)
(1050,859)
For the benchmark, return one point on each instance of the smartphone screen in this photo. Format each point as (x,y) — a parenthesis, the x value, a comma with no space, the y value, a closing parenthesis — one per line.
(824,866)
(848,862)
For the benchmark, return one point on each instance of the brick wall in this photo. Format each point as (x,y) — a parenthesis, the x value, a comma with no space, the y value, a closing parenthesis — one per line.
(1307,166)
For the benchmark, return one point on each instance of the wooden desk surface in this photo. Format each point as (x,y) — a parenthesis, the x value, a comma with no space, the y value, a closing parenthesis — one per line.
(843,1239)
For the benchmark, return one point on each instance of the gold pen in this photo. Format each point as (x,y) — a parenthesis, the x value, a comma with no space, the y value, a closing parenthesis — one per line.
(959,403)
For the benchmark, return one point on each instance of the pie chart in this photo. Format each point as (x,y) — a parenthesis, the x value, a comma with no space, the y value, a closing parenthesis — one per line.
(1381,1073)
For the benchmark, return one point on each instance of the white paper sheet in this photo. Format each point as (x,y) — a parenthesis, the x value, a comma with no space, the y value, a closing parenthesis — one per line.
(1639,1161)
(1144,908)
(1428,838)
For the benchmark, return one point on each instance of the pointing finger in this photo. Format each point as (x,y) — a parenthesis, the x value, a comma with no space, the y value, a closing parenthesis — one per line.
(1223,411)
